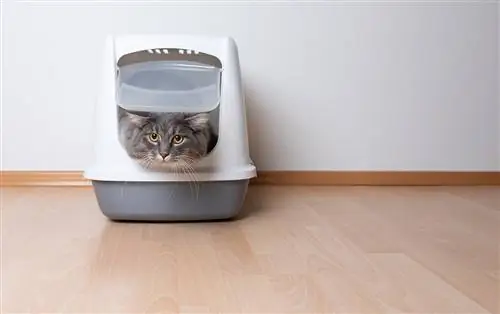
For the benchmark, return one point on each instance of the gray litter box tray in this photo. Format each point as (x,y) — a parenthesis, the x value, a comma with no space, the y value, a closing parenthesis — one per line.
(170,201)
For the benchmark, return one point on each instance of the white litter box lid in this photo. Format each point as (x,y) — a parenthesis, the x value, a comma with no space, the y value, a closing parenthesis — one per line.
(134,173)
(168,86)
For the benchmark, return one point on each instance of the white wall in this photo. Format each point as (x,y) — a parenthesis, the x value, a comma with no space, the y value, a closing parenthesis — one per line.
(360,86)
(498,79)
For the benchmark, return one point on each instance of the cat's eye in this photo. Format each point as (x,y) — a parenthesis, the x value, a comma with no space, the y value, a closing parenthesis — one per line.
(154,137)
(177,139)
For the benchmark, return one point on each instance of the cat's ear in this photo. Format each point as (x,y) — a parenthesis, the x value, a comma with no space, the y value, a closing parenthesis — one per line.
(198,121)
(132,117)
(136,119)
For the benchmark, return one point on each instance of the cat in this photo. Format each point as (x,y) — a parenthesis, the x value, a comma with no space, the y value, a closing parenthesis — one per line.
(166,140)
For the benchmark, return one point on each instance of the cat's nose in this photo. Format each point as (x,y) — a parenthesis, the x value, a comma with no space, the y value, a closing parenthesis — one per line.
(163,155)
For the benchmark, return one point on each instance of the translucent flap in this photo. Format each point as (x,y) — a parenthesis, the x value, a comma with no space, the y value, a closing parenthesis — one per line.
(168,86)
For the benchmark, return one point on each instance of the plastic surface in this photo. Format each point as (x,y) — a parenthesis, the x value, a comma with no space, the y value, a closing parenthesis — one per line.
(229,161)
(175,86)
(170,201)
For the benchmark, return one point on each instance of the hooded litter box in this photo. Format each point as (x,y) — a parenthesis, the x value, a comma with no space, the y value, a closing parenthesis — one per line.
(188,74)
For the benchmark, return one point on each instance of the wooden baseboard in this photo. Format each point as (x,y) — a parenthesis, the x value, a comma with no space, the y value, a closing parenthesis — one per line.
(403,178)
(43,178)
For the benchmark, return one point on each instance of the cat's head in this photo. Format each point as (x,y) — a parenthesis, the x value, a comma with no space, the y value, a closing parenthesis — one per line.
(159,140)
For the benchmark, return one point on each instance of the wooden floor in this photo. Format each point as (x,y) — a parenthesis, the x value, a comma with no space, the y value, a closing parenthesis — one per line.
(295,249)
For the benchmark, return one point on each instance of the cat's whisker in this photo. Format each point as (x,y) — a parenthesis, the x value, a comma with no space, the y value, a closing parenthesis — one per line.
(144,160)
(147,161)
(194,178)
(184,170)
(176,169)
(192,174)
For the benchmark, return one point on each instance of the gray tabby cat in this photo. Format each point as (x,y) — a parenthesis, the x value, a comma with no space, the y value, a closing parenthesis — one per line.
(166,140)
